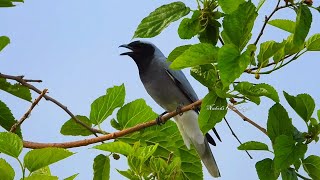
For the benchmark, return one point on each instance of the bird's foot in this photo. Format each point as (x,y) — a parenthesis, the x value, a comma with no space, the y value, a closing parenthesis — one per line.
(178,110)
(158,120)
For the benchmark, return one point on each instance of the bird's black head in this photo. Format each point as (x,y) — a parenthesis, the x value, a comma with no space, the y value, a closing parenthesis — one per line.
(141,52)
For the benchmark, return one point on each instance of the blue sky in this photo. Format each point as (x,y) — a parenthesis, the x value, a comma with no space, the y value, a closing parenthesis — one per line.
(73,47)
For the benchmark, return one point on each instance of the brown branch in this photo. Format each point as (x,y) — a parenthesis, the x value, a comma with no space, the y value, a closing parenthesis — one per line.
(26,115)
(85,142)
(33,80)
(48,98)
(234,109)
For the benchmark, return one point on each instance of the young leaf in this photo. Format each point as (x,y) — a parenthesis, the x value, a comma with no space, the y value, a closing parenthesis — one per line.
(41,176)
(116,147)
(284,24)
(4,41)
(39,158)
(45,171)
(177,52)
(303,24)
(205,74)
(101,167)
(261,2)
(312,166)
(211,33)
(267,50)
(313,43)
(10,144)
(290,47)
(190,27)
(72,177)
(303,104)
(287,151)
(74,129)
(266,170)
(103,107)
(158,20)
(228,6)
(238,25)
(6,171)
(253,145)
(7,119)
(16,90)
(289,174)
(197,54)
(279,122)
(213,110)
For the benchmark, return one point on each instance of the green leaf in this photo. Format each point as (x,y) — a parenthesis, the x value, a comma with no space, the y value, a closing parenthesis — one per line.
(313,43)
(210,34)
(284,24)
(287,151)
(261,2)
(39,158)
(266,170)
(197,54)
(303,24)
(116,147)
(267,50)
(205,74)
(6,3)
(231,63)
(10,144)
(177,52)
(228,6)
(213,110)
(72,177)
(289,174)
(7,119)
(103,107)
(4,41)
(190,27)
(6,171)
(128,174)
(101,167)
(41,177)
(16,90)
(279,122)
(44,171)
(312,166)
(159,19)
(238,25)
(303,104)
(318,114)
(74,129)
(253,145)
(291,47)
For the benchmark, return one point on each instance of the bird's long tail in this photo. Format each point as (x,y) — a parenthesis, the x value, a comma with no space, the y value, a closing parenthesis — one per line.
(190,131)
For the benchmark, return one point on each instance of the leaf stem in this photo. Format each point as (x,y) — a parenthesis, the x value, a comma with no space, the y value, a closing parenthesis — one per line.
(302,177)
(22,168)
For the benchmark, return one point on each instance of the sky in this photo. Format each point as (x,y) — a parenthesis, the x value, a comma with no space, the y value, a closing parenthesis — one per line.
(73,47)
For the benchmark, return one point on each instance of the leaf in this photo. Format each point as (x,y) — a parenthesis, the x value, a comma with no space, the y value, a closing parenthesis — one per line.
(253,145)
(284,24)
(158,20)
(44,171)
(197,54)
(6,171)
(267,50)
(16,90)
(211,33)
(205,74)
(41,177)
(266,170)
(39,158)
(303,104)
(6,119)
(312,166)
(72,177)
(228,6)
(213,110)
(101,167)
(10,144)
(237,26)
(291,47)
(177,52)
(289,174)
(261,2)
(74,129)
(313,43)
(6,3)
(128,174)
(116,147)
(287,151)
(279,122)
(103,107)
(4,41)
(231,63)
(190,27)
(303,24)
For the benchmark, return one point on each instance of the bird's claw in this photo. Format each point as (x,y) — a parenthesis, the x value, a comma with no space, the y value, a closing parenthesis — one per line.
(158,120)
(178,110)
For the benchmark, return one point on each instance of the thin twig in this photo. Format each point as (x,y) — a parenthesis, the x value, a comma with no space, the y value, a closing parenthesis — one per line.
(33,80)
(234,134)
(48,98)
(26,115)
(234,109)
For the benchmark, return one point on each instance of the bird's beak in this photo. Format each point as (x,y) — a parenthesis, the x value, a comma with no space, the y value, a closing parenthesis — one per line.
(128,47)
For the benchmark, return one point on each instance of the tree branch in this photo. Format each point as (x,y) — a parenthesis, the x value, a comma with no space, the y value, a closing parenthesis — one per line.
(26,115)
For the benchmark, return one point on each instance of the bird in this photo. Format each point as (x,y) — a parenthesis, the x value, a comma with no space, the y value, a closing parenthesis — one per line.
(171,90)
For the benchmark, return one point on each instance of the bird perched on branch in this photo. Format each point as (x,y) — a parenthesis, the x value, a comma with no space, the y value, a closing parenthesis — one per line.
(171,89)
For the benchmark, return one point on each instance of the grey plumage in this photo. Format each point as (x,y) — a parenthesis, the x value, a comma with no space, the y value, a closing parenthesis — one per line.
(170,88)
